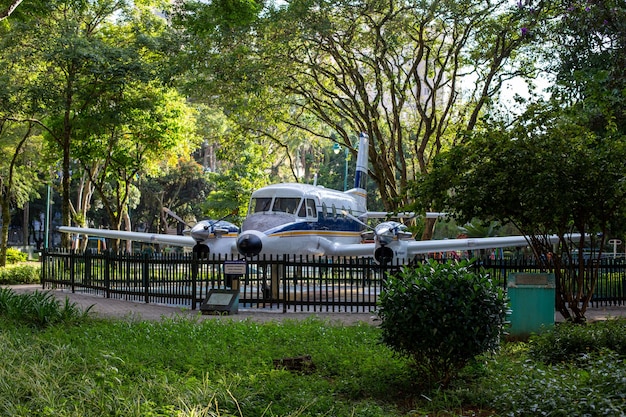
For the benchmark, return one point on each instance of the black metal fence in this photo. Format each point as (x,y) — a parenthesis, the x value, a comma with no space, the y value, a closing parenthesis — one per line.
(309,284)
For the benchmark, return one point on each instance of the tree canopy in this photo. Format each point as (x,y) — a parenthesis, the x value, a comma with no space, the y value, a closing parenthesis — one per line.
(559,167)
(410,74)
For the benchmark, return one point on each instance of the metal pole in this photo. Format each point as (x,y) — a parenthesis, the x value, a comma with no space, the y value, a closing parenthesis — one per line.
(345,172)
(45,242)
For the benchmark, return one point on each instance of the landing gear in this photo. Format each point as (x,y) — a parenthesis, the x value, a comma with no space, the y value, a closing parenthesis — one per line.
(201,250)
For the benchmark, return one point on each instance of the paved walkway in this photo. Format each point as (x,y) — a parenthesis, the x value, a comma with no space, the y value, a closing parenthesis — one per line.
(131,310)
(107,307)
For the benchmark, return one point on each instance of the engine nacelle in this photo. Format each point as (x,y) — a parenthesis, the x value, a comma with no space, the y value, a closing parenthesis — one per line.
(390,242)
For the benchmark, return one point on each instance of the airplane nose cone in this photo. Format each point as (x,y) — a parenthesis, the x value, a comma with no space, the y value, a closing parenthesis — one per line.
(201,231)
(249,244)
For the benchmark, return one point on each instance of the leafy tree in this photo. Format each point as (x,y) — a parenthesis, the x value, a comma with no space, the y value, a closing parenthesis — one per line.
(395,70)
(17,177)
(182,188)
(547,174)
(81,56)
(590,72)
(154,124)
(558,168)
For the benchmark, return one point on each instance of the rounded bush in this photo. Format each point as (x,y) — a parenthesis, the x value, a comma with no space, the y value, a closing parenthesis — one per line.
(15,256)
(20,274)
(442,315)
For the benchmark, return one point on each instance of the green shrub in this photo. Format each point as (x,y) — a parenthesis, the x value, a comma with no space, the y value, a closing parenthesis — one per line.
(442,316)
(20,274)
(592,385)
(15,256)
(568,341)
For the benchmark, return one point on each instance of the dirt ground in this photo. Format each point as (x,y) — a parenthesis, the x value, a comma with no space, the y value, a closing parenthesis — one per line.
(131,310)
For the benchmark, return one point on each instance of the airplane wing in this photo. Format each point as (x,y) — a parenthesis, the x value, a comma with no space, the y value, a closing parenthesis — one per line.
(427,246)
(415,247)
(403,250)
(444,245)
(175,240)
(403,215)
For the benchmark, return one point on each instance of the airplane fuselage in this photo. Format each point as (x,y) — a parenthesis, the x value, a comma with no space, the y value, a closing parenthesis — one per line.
(300,219)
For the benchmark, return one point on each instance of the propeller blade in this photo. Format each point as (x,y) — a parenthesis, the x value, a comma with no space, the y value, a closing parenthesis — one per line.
(174,215)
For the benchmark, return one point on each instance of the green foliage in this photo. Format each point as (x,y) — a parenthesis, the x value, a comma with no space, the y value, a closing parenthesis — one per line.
(20,274)
(547,173)
(515,385)
(441,315)
(179,367)
(588,382)
(14,256)
(591,71)
(568,342)
(223,367)
(39,309)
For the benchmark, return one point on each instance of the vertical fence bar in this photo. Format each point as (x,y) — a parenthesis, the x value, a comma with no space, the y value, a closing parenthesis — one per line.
(194,289)
(194,274)
(285,286)
(44,268)
(72,275)
(107,274)
(145,277)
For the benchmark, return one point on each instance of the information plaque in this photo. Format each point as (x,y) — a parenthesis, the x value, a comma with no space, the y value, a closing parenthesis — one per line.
(221,302)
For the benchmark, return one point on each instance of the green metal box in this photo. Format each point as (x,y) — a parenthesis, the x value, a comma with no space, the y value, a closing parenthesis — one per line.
(532,300)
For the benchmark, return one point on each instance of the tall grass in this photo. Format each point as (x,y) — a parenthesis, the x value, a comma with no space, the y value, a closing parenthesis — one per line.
(39,308)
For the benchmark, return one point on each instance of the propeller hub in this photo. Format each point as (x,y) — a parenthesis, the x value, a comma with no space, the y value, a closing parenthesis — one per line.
(201,231)
(383,255)
(249,244)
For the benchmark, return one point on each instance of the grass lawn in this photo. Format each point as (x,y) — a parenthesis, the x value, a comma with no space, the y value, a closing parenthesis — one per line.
(181,367)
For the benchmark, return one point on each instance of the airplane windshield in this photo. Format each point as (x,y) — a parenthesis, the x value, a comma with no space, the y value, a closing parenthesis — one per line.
(261,204)
(286,205)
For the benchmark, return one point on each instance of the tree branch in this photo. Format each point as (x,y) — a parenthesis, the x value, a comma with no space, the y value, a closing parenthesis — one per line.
(11,9)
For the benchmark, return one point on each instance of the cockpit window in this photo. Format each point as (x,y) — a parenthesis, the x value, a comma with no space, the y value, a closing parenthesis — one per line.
(307,209)
(311,211)
(286,205)
(261,204)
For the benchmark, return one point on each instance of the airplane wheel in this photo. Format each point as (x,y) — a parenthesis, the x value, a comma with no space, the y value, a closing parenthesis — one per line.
(201,250)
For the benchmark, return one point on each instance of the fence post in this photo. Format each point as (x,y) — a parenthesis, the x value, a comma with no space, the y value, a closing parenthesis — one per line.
(87,273)
(44,268)
(72,271)
(107,273)
(283,275)
(145,276)
(194,278)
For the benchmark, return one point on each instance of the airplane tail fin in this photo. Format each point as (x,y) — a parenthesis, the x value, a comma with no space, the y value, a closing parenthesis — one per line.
(360,177)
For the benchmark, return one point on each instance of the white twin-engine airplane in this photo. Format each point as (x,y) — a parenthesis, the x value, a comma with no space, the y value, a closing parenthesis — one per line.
(303,219)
